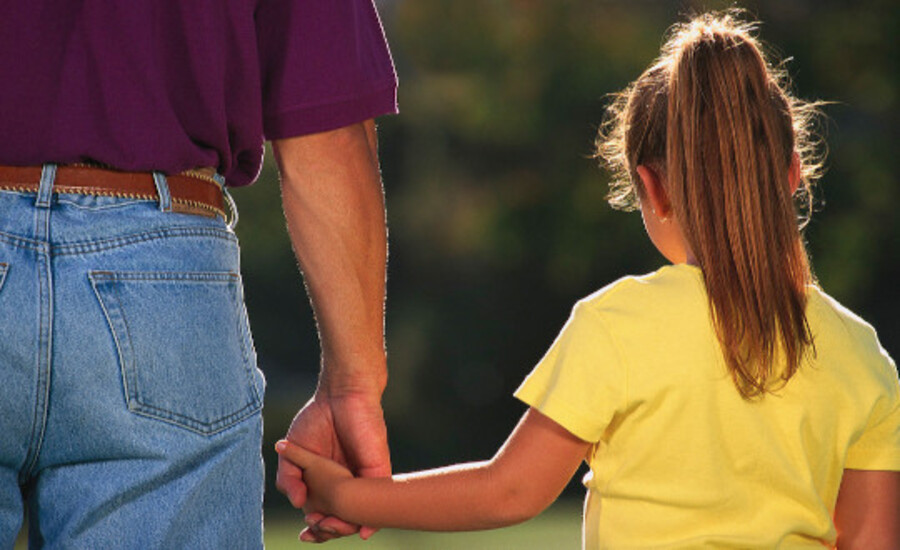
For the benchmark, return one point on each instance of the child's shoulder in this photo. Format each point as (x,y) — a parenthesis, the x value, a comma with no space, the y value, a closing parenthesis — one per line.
(827,316)
(671,285)
(848,343)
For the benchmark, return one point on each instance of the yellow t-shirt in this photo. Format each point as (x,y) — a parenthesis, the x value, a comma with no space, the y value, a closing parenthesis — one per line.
(680,460)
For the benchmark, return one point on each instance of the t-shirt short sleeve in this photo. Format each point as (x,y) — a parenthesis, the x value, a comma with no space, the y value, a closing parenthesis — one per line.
(324,63)
(581,381)
(878,448)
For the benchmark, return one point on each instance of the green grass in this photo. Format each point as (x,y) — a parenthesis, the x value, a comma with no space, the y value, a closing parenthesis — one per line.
(558,528)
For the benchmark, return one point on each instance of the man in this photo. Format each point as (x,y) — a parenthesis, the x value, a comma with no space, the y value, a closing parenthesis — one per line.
(131,400)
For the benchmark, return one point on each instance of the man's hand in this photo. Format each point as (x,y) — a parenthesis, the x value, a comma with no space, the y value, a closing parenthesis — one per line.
(348,429)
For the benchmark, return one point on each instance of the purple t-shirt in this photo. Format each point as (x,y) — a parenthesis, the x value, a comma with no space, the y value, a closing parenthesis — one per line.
(176,84)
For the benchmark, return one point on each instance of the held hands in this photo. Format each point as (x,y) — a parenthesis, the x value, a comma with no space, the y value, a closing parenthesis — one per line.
(348,429)
(323,477)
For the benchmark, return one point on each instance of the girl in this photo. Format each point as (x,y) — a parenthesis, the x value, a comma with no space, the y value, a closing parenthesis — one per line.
(722,401)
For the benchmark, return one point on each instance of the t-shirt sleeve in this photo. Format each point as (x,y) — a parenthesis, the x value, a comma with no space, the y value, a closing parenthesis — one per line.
(878,448)
(581,381)
(324,64)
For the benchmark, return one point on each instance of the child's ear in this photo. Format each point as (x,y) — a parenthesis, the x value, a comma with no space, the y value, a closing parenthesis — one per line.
(794,172)
(654,191)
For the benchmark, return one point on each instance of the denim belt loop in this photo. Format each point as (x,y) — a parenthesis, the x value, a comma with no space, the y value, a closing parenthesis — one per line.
(45,191)
(162,189)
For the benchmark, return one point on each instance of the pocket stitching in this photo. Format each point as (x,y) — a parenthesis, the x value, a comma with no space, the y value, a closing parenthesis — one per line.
(120,352)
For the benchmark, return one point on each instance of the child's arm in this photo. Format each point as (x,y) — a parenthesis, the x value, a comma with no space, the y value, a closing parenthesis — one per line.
(525,476)
(867,514)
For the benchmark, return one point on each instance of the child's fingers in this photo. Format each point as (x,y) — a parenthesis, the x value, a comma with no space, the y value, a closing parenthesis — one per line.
(296,454)
(323,467)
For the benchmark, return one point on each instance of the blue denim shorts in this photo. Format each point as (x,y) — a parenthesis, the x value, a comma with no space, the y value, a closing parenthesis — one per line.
(130,400)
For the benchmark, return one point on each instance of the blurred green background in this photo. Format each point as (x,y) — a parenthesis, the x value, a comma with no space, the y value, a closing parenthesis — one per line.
(496,212)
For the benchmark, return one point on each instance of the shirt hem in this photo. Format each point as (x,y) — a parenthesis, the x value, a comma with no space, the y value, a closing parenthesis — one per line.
(312,119)
(557,413)
(873,462)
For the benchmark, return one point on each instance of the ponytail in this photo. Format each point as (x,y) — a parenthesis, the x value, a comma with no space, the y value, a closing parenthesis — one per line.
(713,118)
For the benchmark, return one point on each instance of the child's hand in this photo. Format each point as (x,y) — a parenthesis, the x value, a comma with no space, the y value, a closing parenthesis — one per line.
(321,475)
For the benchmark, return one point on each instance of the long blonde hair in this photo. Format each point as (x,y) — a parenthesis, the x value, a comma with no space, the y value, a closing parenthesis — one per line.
(716,121)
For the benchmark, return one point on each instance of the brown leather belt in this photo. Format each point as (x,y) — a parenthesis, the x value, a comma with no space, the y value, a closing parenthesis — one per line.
(193,192)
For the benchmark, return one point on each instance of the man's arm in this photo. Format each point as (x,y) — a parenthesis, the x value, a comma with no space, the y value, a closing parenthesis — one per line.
(867,514)
(525,476)
(334,204)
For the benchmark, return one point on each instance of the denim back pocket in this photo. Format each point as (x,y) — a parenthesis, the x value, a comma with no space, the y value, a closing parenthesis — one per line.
(184,346)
